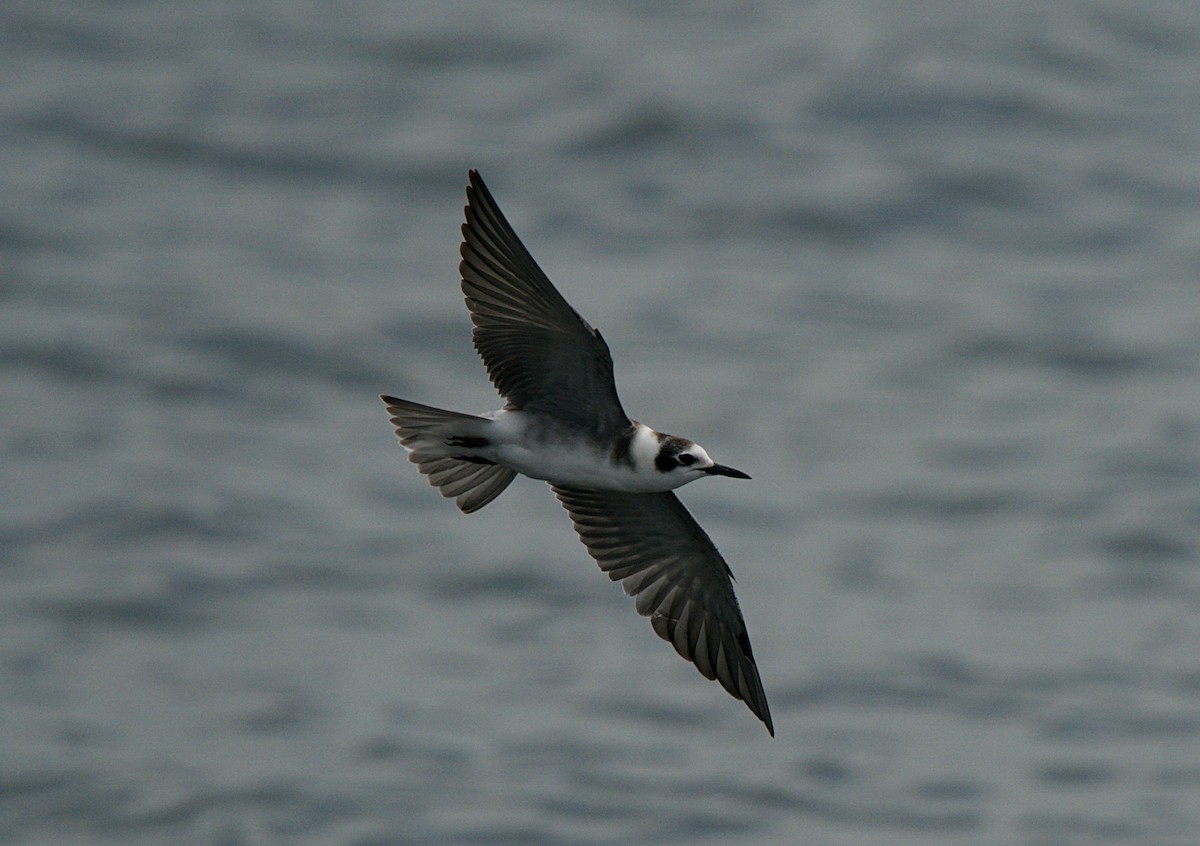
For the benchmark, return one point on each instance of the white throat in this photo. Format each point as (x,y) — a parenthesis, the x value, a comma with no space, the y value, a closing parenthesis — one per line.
(643,449)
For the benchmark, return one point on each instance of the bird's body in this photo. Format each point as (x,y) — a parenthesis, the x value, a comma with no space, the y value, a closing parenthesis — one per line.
(537,447)
(563,423)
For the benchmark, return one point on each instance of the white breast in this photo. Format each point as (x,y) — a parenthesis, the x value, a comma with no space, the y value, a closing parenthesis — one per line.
(577,463)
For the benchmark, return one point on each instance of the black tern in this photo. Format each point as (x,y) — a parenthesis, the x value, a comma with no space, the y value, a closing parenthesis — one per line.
(563,423)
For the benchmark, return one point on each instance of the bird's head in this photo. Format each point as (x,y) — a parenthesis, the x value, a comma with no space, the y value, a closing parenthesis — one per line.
(687,461)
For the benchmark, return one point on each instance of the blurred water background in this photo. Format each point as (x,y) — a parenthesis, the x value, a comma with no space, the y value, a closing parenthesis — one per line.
(929,271)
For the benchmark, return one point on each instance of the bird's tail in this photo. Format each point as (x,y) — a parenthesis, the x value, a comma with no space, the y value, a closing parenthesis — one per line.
(440,442)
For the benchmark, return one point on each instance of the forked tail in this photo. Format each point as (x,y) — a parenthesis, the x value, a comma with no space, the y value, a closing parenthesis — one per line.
(436,440)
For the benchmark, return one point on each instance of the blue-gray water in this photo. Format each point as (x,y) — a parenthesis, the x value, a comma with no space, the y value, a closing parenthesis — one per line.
(930,272)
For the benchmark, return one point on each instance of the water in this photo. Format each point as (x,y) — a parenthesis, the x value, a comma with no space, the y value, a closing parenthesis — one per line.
(928,272)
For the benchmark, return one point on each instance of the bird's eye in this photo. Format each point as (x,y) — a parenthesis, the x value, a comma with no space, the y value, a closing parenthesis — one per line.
(686,459)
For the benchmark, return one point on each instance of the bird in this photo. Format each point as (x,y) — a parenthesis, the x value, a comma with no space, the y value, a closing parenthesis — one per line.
(563,423)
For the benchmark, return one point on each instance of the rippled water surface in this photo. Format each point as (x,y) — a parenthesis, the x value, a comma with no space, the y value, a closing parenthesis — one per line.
(929,272)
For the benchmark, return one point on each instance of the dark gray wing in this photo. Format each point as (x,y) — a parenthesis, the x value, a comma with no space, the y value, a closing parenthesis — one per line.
(661,556)
(539,353)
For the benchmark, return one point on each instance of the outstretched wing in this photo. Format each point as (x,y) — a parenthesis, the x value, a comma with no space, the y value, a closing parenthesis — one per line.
(661,556)
(539,353)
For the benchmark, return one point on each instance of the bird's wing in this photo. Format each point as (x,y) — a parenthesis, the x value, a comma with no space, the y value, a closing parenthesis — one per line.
(540,354)
(652,545)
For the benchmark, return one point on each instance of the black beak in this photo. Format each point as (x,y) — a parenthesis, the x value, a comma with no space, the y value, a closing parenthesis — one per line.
(722,470)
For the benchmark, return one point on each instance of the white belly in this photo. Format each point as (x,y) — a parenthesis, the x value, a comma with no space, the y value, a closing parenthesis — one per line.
(580,468)
(575,464)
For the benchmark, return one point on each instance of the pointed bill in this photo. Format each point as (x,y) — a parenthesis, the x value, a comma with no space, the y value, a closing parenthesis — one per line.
(722,470)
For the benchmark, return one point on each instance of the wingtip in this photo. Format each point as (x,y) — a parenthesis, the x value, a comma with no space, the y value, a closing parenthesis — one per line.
(765,716)
(762,711)
(477,193)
